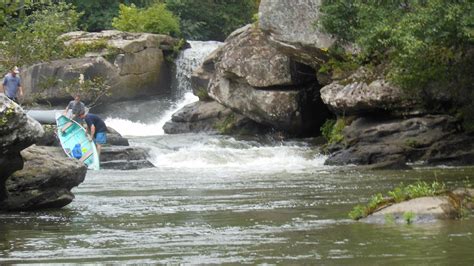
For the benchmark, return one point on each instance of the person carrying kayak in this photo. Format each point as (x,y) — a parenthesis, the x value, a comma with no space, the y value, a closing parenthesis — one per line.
(96,128)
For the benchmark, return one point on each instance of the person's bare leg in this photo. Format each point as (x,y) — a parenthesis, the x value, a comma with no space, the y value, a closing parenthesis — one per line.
(98,146)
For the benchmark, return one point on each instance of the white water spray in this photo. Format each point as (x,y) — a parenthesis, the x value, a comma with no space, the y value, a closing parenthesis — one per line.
(186,63)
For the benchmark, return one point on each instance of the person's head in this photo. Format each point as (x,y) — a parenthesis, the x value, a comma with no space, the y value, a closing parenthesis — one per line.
(15,71)
(82,114)
(77,97)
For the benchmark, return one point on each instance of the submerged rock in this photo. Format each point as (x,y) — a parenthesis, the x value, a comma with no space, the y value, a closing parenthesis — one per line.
(426,209)
(44,182)
(124,158)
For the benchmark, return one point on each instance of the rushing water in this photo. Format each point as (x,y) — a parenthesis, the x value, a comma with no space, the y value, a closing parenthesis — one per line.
(217,199)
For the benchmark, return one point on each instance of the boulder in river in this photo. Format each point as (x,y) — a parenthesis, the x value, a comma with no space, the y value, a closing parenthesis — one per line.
(256,80)
(44,182)
(124,158)
(17,131)
(425,209)
(211,117)
(433,139)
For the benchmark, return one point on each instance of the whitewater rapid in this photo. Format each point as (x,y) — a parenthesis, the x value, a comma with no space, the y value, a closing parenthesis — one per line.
(130,128)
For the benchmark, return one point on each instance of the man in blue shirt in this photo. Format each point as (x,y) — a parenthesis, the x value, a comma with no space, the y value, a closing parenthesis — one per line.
(96,128)
(12,84)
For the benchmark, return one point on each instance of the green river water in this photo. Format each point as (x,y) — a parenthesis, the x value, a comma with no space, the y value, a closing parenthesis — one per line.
(220,200)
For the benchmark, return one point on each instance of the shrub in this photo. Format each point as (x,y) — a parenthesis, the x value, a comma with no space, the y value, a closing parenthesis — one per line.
(154,19)
(79,49)
(332,129)
(35,38)
(427,45)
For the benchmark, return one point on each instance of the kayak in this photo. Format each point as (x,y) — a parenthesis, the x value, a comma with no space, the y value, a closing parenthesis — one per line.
(75,143)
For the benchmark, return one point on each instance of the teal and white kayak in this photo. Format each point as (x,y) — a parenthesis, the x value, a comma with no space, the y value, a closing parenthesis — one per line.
(70,133)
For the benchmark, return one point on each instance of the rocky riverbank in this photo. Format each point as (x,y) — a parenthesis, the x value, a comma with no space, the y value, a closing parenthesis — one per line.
(271,74)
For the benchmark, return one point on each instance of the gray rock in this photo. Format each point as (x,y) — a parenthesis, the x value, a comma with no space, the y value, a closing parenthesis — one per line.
(44,182)
(281,95)
(133,66)
(124,158)
(360,93)
(115,139)
(419,210)
(126,164)
(432,138)
(17,131)
(292,28)
(210,117)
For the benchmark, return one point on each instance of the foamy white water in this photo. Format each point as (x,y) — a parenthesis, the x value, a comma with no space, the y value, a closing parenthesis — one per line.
(186,63)
(132,128)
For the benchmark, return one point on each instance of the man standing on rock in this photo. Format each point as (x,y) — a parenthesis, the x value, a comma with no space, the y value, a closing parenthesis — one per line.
(77,107)
(12,84)
(96,128)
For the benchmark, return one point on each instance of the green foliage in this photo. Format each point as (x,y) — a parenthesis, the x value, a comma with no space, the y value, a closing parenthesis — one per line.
(203,95)
(98,15)
(212,19)
(226,126)
(408,217)
(7,114)
(93,88)
(427,45)
(398,194)
(154,19)
(332,129)
(35,38)
(79,49)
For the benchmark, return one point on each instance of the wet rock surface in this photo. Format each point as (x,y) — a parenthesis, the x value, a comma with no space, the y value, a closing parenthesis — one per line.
(433,139)
(44,182)
(17,131)
(124,158)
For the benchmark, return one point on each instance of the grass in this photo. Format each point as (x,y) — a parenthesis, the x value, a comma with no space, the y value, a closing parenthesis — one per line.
(398,194)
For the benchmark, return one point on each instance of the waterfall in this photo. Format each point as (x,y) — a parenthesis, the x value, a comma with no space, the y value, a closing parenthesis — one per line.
(187,61)
(162,109)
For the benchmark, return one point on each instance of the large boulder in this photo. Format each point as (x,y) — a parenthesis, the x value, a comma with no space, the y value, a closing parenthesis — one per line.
(292,27)
(210,117)
(17,131)
(432,138)
(362,92)
(256,80)
(132,64)
(44,182)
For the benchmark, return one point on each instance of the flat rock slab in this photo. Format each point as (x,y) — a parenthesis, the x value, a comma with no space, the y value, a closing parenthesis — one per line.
(419,210)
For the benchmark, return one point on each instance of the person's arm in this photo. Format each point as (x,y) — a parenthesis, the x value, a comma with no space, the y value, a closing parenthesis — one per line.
(21,90)
(67,108)
(3,85)
(92,132)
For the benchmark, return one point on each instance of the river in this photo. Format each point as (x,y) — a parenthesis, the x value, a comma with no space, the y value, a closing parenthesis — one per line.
(218,199)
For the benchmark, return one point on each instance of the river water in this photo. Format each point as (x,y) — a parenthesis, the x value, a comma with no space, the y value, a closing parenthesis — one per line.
(218,199)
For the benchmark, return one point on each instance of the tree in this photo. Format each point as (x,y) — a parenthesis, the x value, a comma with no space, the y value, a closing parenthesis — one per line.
(427,45)
(212,19)
(154,19)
